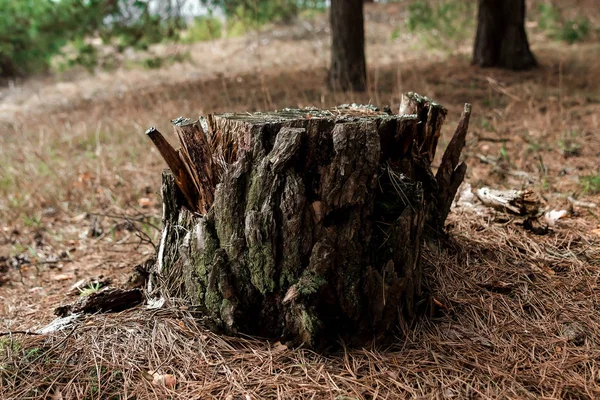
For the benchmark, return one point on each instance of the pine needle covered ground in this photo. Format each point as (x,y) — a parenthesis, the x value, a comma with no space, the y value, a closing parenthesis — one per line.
(511,314)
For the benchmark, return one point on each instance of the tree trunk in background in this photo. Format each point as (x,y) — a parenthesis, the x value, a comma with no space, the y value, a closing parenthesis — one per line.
(305,226)
(348,65)
(501,39)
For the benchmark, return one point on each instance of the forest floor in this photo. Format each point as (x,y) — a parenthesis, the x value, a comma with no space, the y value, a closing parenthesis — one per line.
(519,313)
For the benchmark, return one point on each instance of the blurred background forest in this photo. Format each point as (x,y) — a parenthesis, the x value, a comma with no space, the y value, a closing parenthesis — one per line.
(54,36)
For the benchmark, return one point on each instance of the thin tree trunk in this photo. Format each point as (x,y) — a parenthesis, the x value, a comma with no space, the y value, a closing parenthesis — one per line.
(348,65)
(501,39)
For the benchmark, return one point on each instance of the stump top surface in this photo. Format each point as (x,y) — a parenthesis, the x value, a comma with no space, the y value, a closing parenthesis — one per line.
(344,112)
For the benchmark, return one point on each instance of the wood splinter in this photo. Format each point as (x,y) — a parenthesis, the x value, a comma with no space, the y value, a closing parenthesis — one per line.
(182,177)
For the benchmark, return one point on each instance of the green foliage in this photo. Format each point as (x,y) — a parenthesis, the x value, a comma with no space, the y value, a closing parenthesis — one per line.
(34,31)
(504,153)
(262,12)
(141,31)
(575,30)
(159,62)
(84,54)
(30,37)
(548,17)
(590,184)
(252,14)
(569,144)
(440,22)
(237,27)
(32,221)
(420,16)
(92,288)
(6,182)
(203,29)
(551,21)
(9,344)
(32,354)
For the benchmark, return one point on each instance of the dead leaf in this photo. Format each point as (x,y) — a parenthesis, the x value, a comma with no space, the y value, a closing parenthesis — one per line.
(279,347)
(553,216)
(79,217)
(166,380)
(145,202)
(548,270)
(62,277)
(543,270)
(595,232)
(82,180)
(170,381)
(84,177)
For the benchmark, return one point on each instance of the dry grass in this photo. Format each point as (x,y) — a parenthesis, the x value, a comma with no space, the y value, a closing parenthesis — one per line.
(519,313)
(518,320)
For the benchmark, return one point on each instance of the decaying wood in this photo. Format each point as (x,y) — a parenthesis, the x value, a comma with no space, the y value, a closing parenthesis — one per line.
(104,300)
(3,270)
(139,274)
(450,173)
(518,202)
(196,155)
(309,223)
(432,116)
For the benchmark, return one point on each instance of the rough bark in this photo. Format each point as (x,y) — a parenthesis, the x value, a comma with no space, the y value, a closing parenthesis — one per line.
(348,65)
(501,39)
(315,229)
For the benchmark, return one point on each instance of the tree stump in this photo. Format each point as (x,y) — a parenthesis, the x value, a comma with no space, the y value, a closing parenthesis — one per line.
(304,225)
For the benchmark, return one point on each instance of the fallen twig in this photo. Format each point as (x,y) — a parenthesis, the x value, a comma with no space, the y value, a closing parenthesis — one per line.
(10,333)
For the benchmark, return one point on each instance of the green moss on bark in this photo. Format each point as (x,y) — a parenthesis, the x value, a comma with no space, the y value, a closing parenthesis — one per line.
(315,231)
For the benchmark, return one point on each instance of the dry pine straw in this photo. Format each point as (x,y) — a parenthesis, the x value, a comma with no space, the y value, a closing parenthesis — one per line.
(516,318)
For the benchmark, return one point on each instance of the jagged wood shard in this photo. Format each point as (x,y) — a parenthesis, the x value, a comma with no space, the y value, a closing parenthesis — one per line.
(308,224)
